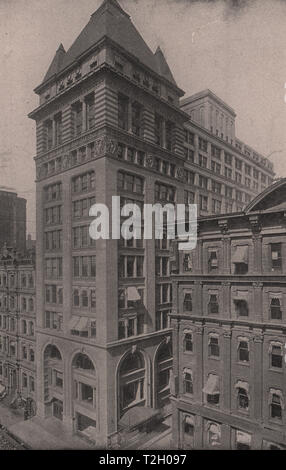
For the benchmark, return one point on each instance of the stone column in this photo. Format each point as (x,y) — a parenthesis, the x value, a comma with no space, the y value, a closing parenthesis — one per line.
(258,301)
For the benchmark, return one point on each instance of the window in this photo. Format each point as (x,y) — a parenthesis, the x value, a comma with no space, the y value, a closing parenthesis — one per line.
(276,404)
(188,342)
(169,135)
(213,260)
(242,398)
(203,145)
(136,118)
(213,305)
(213,346)
(203,182)
(238,164)
(90,111)
(188,303)
(211,389)
(216,206)
(164,192)
(241,307)
(188,381)
(243,351)
(203,202)
(130,183)
(228,192)
(77,118)
(158,129)
(276,356)
(123,112)
(48,126)
(240,259)
(203,161)
(243,440)
(58,129)
(216,167)
(214,434)
(275,309)
(228,158)
(276,256)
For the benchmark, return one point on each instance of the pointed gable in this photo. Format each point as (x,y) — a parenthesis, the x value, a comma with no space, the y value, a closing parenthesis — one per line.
(112,22)
(56,63)
(163,67)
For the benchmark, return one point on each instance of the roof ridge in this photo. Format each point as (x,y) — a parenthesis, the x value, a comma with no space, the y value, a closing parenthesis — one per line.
(104,6)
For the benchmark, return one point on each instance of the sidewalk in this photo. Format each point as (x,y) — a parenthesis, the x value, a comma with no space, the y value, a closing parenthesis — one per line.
(40,434)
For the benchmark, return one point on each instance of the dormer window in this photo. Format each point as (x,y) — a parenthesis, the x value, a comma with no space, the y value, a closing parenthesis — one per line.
(69,79)
(136,76)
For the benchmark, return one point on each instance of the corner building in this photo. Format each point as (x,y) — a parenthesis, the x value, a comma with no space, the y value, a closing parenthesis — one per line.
(229,330)
(109,123)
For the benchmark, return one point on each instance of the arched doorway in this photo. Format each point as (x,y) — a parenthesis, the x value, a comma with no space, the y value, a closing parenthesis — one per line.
(163,365)
(132,382)
(53,382)
(84,398)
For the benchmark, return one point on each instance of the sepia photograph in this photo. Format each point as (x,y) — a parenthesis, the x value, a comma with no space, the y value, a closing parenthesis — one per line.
(143,227)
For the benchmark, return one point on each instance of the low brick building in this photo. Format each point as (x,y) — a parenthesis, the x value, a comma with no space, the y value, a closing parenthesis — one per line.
(229,330)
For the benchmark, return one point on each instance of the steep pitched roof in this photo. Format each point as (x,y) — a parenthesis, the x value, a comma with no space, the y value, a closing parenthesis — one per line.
(56,63)
(111,21)
(163,67)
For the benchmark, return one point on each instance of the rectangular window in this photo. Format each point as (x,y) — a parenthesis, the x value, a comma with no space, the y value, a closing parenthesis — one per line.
(123,112)
(136,118)
(158,129)
(276,256)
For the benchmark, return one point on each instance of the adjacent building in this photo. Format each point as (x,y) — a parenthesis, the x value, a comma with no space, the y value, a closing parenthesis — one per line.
(229,330)
(12,219)
(109,122)
(17,324)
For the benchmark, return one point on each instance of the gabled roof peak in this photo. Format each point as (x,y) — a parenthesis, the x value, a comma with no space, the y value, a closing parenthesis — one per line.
(106,4)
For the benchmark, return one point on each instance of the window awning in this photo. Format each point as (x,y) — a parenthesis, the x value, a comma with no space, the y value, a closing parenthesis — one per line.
(190,420)
(73,322)
(132,294)
(241,254)
(242,384)
(241,295)
(243,338)
(212,385)
(78,323)
(137,416)
(187,371)
(274,391)
(243,438)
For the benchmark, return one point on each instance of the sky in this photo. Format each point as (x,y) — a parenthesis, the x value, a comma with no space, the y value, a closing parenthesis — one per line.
(236,48)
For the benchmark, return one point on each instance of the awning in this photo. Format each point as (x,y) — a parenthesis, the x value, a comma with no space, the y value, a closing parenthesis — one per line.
(274,391)
(241,254)
(79,323)
(137,416)
(82,324)
(132,294)
(212,385)
(242,384)
(73,322)
(241,295)
(187,371)
(189,419)
(243,438)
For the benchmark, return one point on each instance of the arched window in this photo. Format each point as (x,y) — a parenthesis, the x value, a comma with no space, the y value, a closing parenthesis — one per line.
(188,342)
(132,382)
(275,308)
(188,381)
(188,304)
(165,352)
(131,363)
(53,352)
(82,361)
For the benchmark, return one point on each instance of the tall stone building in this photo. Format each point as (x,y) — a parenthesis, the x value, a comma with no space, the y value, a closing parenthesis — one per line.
(17,325)
(12,219)
(109,123)
(229,331)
